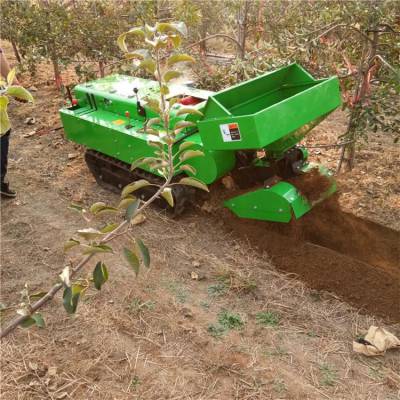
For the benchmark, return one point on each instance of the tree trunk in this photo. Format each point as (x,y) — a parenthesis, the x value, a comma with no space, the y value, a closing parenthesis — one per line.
(360,93)
(16,52)
(101,68)
(57,75)
(242,20)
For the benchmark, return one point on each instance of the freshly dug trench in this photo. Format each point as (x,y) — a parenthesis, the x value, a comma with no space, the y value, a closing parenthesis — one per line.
(330,250)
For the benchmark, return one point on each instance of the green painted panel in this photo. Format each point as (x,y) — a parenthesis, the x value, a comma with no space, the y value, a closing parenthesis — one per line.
(266,109)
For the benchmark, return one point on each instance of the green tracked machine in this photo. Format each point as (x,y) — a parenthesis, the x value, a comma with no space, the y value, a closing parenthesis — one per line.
(255,127)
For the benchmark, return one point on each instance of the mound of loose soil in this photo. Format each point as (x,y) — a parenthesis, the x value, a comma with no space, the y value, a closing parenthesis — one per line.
(311,184)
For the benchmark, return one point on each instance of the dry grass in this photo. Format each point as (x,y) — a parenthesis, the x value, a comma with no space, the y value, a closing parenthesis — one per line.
(111,351)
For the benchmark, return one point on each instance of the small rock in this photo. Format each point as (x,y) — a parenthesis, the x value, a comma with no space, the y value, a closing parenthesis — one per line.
(52,371)
(30,121)
(33,366)
(186,312)
(71,156)
(196,263)
(197,276)
(228,182)
(207,207)
(29,134)
(138,219)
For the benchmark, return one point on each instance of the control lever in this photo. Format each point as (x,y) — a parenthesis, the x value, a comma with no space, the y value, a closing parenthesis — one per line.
(140,109)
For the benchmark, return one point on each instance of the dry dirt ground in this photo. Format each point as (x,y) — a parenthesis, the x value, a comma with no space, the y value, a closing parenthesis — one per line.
(264,321)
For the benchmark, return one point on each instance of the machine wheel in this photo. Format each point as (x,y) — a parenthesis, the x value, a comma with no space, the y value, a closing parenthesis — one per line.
(113,175)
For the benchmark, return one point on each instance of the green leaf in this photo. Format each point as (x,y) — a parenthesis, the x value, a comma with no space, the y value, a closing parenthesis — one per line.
(189,110)
(106,210)
(71,297)
(76,207)
(100,248)
(4,120)
(194,182)
(28,322)
(128,189)
(176,58)
(20,93)
(153,121)
(101,208)
(37,317)
(109,228)
(186,155)
(176,40)
(144,252)
(97,206)
(126,202)
(100,275)
(157,145)
(131,210)
(11,77)
(137,31)
(135,55)
(37,295)
(169,75)
(186,145)
(148,64)
(164,90)
(132,260)
(121,42)
(153,104)
(167,195)
(89,233)
(183,124)
(70,243)
(165,27)
(188,168)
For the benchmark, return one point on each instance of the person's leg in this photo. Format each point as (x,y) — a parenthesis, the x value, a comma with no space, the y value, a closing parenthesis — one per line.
(4,144)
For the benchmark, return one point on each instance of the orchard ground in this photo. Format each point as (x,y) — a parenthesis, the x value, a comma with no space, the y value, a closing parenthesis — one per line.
(220,314)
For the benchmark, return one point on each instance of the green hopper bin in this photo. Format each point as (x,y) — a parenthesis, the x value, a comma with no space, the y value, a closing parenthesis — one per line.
(260,112)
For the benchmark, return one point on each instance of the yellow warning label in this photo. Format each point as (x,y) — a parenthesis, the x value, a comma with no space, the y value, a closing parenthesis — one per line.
(118,122)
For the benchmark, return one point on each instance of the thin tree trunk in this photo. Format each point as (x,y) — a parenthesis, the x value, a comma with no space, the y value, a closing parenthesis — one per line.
(359,97)
(57,75)
(101,68)
(16,52)
(242,19)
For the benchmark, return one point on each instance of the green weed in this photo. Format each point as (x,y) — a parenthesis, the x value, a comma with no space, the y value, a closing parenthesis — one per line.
(267,318)
(328,375)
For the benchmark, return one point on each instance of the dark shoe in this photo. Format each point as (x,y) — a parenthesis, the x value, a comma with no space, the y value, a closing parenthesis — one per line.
(6,191)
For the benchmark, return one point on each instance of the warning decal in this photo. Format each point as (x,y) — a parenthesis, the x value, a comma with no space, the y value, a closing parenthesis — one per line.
(230,132)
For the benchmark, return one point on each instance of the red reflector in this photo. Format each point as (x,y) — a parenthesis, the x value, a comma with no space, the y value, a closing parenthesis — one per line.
(127,114)
(74,102)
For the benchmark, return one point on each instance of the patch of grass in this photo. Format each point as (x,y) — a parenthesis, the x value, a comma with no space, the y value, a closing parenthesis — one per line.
(230,320)
(226,322)
(375,374)
(236,282)
(178,291)
(135,382)
(328,375)
(138,305)
(205,304)
(279,386)
(278,351)
(217,289)
(267,318)
(216,330)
